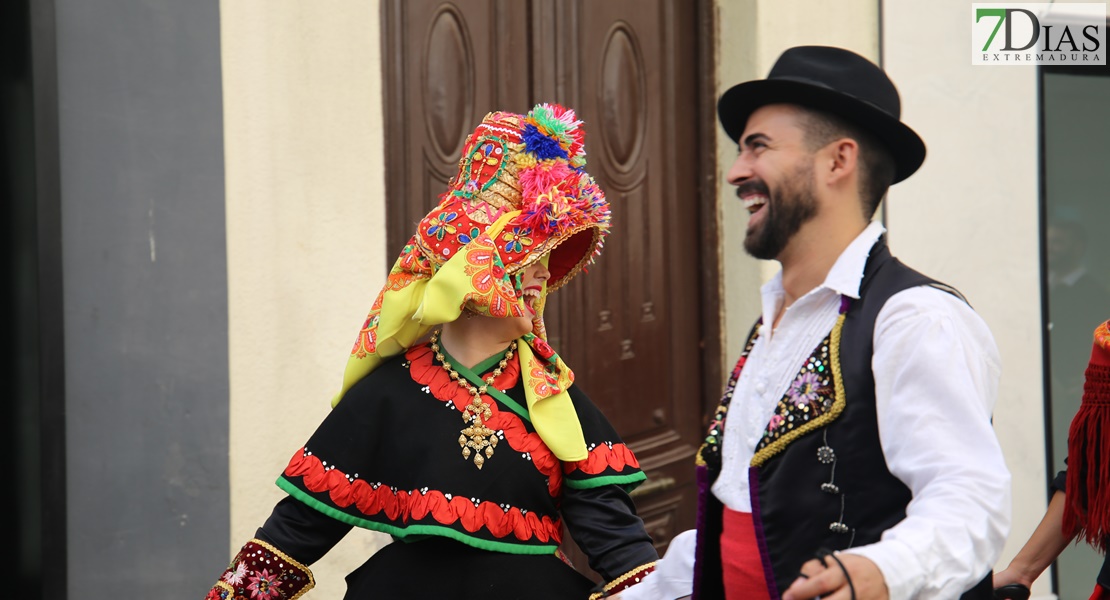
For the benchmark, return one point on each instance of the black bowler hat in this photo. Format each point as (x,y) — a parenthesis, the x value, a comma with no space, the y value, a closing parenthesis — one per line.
(836,81)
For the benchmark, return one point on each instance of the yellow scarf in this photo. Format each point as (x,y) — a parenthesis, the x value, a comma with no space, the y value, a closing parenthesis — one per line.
(417,297)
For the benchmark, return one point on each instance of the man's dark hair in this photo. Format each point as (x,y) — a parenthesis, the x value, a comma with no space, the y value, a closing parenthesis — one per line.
(876,170)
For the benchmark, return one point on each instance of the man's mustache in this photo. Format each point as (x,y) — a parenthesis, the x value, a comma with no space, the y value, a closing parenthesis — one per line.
(752,186)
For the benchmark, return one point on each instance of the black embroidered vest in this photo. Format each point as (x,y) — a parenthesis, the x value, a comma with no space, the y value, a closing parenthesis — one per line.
(819,479)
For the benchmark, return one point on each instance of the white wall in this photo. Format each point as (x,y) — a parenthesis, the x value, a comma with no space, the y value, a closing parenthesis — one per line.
(306,244)
(969,217)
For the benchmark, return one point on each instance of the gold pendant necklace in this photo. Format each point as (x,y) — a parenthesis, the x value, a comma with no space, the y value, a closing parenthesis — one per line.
(475,438)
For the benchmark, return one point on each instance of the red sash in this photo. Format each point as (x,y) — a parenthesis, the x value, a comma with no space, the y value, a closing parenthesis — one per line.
(743,569)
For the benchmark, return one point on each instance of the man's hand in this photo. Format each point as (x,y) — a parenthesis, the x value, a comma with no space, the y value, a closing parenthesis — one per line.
(829,582)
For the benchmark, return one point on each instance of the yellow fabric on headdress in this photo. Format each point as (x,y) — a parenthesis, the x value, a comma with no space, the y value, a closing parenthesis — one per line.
(468,277)
(389,329)
(552,412)
(412,303)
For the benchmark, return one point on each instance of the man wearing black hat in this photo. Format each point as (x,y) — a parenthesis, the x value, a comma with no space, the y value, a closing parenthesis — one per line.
(857,460)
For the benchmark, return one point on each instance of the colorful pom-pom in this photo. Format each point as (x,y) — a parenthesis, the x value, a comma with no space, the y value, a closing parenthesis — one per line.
(560,125)
(542,145)
(542,177)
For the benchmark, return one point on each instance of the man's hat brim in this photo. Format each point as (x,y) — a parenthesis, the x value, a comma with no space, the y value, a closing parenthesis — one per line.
(741,100)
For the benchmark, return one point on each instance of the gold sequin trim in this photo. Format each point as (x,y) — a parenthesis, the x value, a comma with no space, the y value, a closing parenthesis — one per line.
(620,580)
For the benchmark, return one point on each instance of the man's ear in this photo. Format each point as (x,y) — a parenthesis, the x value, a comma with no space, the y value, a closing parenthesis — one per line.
(841,161)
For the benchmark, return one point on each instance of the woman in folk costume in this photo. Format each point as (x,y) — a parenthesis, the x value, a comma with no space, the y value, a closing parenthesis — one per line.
(457,429)
(1080,506)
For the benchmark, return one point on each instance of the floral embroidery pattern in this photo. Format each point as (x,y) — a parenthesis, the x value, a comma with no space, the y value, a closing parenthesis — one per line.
(470,236)
(261,572)
(806,388)
(809,396)
(543,379)
(236,577)
(493,294)
(264,585)
(484,164)
(814,399)
(440,225)
(517,239)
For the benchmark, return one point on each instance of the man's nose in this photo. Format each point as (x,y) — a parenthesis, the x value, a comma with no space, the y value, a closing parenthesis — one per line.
(740,171)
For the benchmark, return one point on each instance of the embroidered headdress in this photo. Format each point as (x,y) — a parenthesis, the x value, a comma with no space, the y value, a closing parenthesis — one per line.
(1087,492)
(521,195)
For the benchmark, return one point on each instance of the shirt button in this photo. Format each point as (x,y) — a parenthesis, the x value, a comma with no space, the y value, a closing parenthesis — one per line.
(760,387)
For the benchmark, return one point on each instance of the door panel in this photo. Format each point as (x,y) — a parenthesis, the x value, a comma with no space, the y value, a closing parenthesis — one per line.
(630,328)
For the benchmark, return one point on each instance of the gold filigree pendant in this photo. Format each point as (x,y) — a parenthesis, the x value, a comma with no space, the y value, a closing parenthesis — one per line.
(476,439)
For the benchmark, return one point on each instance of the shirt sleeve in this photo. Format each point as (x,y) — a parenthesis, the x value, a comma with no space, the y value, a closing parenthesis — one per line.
(604,524)
(302,532)
(936,370)
(673,576)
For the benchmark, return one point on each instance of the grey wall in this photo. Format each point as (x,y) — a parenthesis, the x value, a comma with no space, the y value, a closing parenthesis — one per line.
(145,287)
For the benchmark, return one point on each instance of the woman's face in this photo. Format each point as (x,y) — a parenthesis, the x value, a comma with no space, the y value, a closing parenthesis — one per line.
(533,283)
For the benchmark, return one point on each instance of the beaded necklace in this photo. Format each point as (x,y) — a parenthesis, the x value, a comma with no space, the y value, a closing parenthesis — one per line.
(475,438)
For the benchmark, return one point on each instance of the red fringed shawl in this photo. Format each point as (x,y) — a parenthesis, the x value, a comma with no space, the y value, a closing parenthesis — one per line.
(1087,508)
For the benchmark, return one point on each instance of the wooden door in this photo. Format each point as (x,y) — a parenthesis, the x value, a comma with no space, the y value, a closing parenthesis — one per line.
(635,328)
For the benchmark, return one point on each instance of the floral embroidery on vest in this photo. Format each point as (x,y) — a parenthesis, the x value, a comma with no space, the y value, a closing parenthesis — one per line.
(814,399)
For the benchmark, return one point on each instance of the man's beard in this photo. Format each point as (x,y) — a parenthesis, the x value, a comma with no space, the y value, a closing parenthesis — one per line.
(787,211)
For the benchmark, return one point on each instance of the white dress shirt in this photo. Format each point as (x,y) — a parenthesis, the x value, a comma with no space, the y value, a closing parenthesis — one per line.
(936,371)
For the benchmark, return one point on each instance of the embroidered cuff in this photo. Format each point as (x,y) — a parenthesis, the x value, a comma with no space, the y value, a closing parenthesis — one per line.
(624,582)
(261,571)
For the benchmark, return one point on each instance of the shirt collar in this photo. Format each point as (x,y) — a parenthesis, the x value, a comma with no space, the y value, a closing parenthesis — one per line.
(843,278)
(846,274)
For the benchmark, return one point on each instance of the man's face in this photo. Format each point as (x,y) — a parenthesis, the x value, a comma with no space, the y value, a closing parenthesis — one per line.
(773,176)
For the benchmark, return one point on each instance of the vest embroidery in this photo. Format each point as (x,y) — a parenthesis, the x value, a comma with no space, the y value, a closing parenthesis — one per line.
(710,451)
(814,399)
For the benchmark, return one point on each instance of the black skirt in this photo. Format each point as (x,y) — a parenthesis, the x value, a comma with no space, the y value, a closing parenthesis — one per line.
(438,567)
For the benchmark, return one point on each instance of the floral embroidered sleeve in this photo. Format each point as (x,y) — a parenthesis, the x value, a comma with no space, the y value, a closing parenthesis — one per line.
(262,572)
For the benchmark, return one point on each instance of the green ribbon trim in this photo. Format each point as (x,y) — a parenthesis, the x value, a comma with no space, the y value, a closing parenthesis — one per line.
(477,381)
(485,365)
(410,531)
(629,482)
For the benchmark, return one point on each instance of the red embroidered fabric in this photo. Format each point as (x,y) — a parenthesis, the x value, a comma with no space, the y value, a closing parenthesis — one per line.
(261,572)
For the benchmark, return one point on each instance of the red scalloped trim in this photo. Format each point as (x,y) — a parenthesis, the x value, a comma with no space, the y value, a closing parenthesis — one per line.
(605,456)
(404,505)
(426,371)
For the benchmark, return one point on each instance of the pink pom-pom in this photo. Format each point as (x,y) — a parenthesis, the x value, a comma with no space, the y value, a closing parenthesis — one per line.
(542,177)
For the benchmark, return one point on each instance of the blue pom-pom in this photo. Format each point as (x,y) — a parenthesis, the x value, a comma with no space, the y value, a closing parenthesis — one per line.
(541,146)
